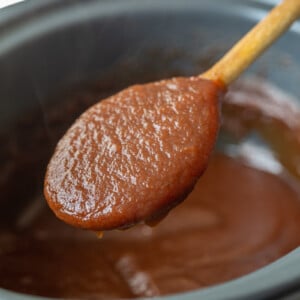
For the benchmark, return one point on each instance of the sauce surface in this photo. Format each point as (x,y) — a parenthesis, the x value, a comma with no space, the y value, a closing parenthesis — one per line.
(222,231)
(135,155)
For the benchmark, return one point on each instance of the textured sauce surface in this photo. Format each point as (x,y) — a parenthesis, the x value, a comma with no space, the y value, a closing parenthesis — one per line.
(134,155)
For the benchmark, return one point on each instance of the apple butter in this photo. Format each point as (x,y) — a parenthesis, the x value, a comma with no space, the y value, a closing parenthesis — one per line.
(239,217)
(135,155)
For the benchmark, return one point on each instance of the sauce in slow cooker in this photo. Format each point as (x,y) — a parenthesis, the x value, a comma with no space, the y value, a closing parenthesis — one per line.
(237,219)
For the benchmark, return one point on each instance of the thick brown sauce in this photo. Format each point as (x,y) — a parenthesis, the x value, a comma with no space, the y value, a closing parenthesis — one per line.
(222,231)
(134,155)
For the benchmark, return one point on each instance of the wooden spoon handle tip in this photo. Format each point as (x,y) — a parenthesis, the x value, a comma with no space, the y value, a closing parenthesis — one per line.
(242,54)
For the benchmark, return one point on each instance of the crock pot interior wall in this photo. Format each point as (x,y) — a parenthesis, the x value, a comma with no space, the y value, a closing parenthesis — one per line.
(84,40)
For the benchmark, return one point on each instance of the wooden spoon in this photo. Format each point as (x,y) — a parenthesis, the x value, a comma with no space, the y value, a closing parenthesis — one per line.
(137,154)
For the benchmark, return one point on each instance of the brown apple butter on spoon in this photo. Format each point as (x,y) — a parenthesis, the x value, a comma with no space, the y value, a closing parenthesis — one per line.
(134,156)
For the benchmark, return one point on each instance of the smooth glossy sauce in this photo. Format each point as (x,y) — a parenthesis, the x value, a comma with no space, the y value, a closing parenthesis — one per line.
(222,231)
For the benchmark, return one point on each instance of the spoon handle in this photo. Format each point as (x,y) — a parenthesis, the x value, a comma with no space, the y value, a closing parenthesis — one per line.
(245,51)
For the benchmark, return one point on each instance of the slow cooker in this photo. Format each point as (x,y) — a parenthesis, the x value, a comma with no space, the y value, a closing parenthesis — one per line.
(51,45)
